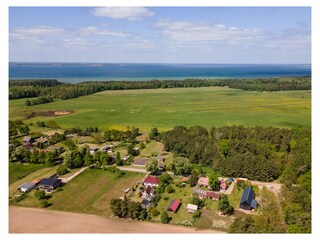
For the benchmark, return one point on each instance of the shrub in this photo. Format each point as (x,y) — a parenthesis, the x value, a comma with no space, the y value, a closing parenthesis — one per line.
(62,169)
(170,189)
(40,194)
(154,212)
(44,203)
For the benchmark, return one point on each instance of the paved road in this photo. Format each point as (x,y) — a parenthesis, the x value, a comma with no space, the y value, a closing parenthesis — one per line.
(32,220)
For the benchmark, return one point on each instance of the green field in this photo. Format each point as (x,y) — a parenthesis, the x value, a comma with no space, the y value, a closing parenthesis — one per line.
(166,108)
(90,192)
(18,171)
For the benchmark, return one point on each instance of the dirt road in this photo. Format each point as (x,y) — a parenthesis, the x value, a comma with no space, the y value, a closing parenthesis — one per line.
(32,220)
(141,170)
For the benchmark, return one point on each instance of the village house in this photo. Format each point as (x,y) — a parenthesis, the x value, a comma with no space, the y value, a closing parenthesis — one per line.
(42,140)
(49,184)
(27,140)
(93,150)
(203,182)
(139,162)
(149,191)
(146,202)
(213,195)
(151,181)
(125,158)
(191,208)
(160,158)
(247,201)
(223,185)
(173,206)
(206,194)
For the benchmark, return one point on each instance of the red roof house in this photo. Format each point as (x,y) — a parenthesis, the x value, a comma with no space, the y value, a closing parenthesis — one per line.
(203,181)
(184,179)
(174,205)
(223,185)
(213,195)
(151,181)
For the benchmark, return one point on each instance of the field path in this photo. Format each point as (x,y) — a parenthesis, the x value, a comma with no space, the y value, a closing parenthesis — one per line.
(33,220)
(142,170)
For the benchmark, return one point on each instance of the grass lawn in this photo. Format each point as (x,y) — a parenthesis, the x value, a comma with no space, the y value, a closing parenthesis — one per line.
(152,148)
(90,192)
(18,171)
(184,194)
(166,108)
(38,174)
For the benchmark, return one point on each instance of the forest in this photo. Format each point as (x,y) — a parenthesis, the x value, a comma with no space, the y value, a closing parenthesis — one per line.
(256,153)
(50,90)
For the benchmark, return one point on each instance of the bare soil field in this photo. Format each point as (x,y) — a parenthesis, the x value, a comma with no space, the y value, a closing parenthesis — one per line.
(32,220)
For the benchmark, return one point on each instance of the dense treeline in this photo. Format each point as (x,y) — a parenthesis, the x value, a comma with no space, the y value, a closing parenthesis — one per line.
(297,180)
(258,153)
(57,90)
(35,82)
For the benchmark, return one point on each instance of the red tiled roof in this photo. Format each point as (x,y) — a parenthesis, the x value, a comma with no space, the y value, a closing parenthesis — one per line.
(173,206)
(203,181)
(151,180)
(213,195)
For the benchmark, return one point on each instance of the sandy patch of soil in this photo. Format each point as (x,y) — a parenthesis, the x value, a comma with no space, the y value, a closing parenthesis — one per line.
(32,220)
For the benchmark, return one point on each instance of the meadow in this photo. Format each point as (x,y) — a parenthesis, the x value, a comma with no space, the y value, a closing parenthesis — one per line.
(166,108)
(18,171)
(90,192)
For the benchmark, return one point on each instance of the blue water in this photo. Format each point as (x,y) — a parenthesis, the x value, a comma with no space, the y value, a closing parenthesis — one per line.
(78,72)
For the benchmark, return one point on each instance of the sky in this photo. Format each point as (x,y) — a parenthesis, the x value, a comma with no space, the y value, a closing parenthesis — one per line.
(225,35)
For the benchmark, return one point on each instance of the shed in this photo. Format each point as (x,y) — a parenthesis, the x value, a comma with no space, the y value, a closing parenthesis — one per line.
(191,208)
(247,201)
(26,187)
(174,205)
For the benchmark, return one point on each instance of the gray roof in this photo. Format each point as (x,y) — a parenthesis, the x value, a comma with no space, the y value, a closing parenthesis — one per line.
(247,198)
(27,139)
(140,161)
(49,181)
(200,192)
(27,185)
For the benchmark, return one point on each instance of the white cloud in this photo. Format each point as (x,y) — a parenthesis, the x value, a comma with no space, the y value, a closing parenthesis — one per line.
(186,31)
(91,30)
(37,31)
(128,13)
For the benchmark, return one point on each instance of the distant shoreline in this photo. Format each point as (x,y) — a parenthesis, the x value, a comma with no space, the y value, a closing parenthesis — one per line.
(79,72)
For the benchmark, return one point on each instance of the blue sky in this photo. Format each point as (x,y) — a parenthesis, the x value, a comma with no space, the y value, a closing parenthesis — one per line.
(160,34)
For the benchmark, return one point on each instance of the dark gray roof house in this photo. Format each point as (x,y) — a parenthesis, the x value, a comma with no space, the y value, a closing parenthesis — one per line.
(247,201)
(49,184)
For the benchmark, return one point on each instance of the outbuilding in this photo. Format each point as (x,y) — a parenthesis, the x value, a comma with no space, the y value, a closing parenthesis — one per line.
(174,205)
(191,208)
(26,187)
